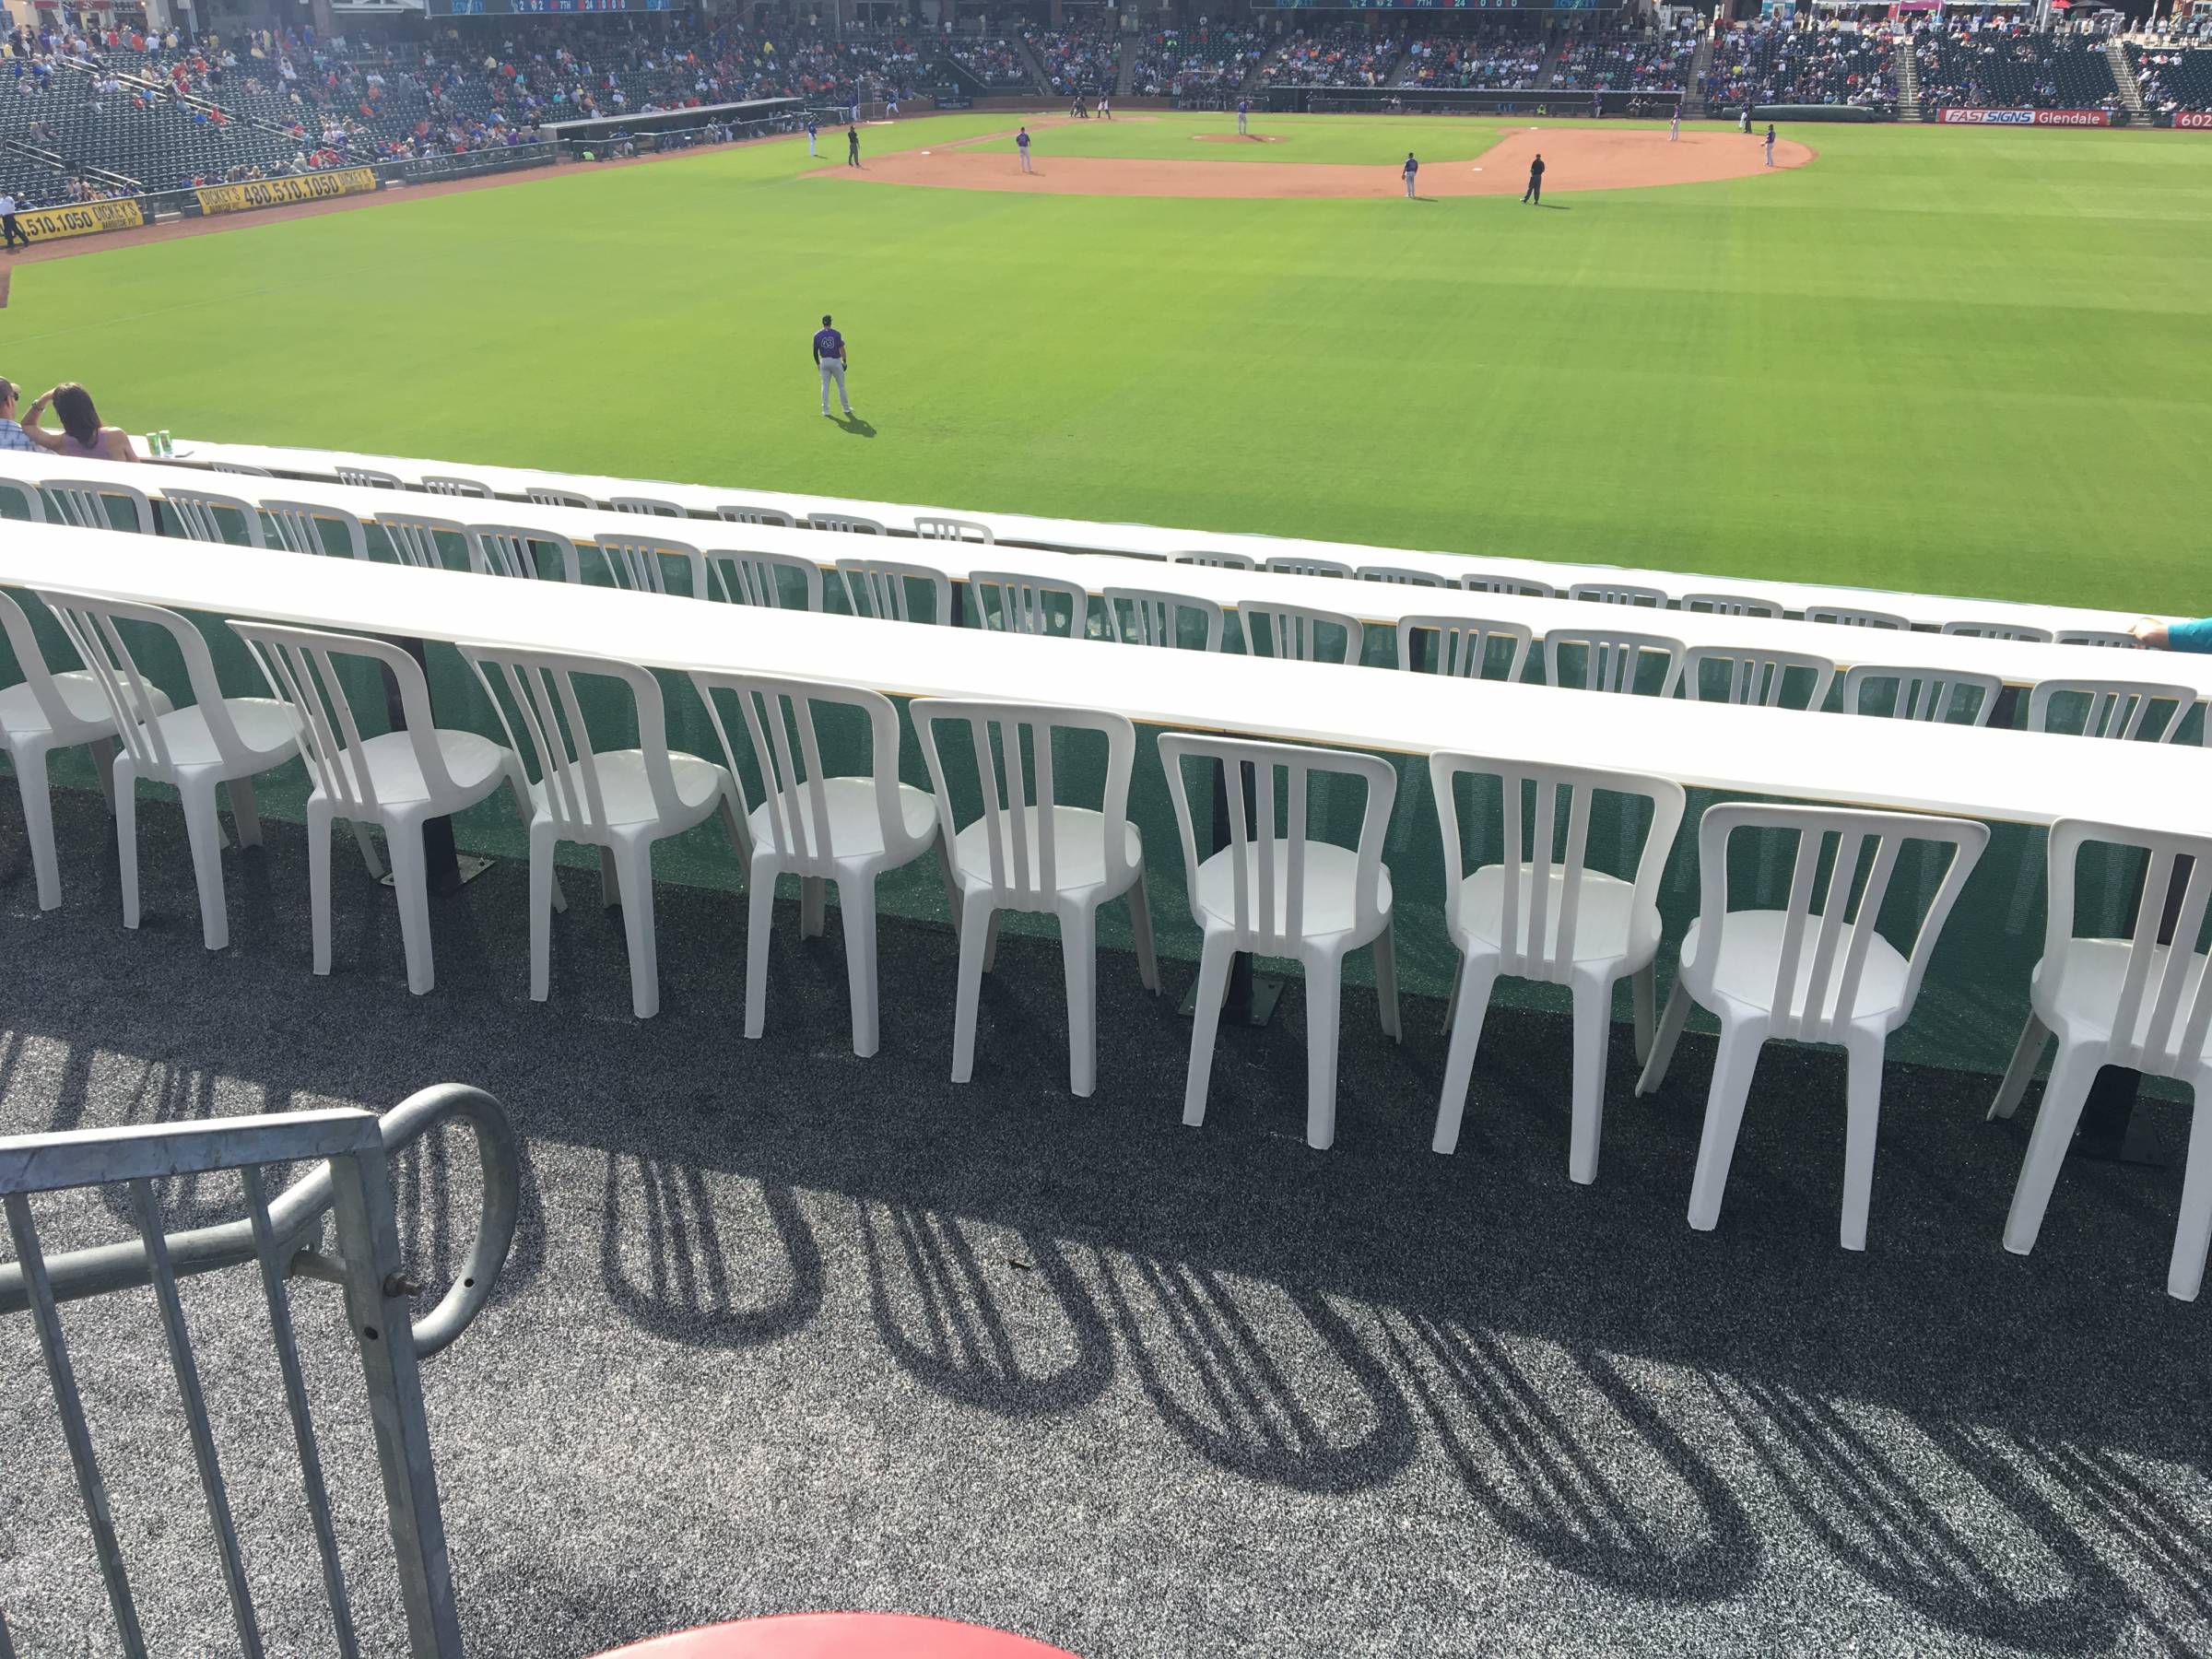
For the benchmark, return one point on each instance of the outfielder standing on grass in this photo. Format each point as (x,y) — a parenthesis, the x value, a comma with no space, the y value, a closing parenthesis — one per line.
(1412,167)
(1243,111)
(1021,143)
(811,130)
(830,358)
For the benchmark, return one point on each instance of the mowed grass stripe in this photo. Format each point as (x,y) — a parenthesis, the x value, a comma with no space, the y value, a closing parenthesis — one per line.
(1932,359)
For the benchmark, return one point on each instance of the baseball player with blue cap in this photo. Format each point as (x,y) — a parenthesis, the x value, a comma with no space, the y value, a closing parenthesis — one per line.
(830,358)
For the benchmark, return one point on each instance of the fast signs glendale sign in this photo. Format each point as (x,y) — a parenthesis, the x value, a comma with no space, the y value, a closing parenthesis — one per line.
(2071,118)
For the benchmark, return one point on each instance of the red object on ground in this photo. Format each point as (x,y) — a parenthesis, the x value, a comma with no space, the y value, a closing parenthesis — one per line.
(841,1636)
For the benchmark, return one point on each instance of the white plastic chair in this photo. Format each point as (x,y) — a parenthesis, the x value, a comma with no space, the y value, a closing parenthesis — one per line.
(194,515)
(240,466)
(620,801)
(765,578)
(392,780)
(1299,633)
(1010,601)
(42,711)
(2108,708)
(1919,694)
(512,550)
(1486,581)
(649,506)
(367,478)
(1730,604)
(1816,970)
(446,485)
(1217,560)
(1541,912)
(1291,564)
(1619,592)
(954,529)
(1029,850)
(1999,630)
(880,588)
(546,495)
(823,829)
(1845,617)
(2135,1003)
(1149,617)
(1463,647)
(82,503)
(217,740)
(1612,660)
(1404,575)
(850,523)
(1757,676)
(26,493)
(2104,637)
(745,513)
(413,538)
(1285,894)
(642,563)
(299,527)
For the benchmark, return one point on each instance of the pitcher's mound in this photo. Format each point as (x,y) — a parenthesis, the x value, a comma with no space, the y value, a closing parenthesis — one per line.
(1575,158)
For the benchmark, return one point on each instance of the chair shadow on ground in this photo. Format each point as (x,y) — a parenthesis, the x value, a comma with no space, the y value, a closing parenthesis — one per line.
(697,1288)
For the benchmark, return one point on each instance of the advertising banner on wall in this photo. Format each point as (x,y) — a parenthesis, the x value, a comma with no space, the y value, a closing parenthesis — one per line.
(295,187)
(79,219)
(2199,119)
(2069,118)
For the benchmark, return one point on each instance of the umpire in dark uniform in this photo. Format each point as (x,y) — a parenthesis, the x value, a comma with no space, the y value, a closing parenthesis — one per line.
(1535,192)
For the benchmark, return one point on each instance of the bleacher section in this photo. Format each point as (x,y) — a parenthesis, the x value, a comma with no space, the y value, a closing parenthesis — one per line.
(2175,78)
(1652,62)
(1343,54)
(1197,62)
(2008,66)
(1084,58)
(996,62)
(1505,55)
(1777,63)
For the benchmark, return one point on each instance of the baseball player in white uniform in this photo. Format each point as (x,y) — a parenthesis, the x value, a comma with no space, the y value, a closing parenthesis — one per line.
(1674,127)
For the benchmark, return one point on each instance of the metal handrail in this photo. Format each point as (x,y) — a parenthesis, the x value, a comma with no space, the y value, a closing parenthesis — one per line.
(296,1217)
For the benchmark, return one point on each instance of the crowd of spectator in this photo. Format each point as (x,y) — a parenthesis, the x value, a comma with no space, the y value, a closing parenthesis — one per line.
(1207,61)
(1342,54)
(1977,64)
(996,62)
(2172,75)
(1080,60)
(1633,61)
(1774,62)
(1504,55)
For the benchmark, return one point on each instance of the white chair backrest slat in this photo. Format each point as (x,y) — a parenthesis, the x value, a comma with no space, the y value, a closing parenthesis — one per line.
(1612,660)
(512,550)
(1404,575)
(301,527)
(2162,1016)
(1217,560)
(197,515)
(367,478)
(765,578)
(745,512)
(1489,582)
(1464,647)
(1849,616)
(643,563)
(779,725)
(954,529)
(849,524)
(1921,694)
(546,495)
(1292,564)
(1149,617)
(2020,632)
(1734,675)
(541,688)
(2104,708)
(414,539)
(94,627)
(1010,601)
(2108,637)
(1730,604)
(446,485)
(648,506)
(1298,632)
(881,588)
(82,503)
(24,643)
(1619,592)
(301,667)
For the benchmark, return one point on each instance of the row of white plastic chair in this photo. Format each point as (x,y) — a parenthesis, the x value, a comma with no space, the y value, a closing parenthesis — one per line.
(83,503)
(1816,970)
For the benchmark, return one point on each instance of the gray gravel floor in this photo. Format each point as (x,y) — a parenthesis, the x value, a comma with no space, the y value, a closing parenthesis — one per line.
(786,1329)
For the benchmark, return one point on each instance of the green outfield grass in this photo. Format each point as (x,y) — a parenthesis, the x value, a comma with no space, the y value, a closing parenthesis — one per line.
(1348,140)
(1969,361)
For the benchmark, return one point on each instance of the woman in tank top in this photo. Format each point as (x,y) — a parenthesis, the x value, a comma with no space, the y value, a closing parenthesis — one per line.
(81,432)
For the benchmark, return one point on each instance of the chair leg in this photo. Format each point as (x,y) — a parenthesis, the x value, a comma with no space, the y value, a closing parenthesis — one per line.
(1386,980)
(1324,1019)
(367,843)
(1592,1038)
(1645,984)
(318,881)
(1079,962)
(37,823)
(856,905)
(2064,1095)
(1140,933)
(126,835)
(204,829)
(1663,1040)
(103,773)
(1723,1116)
(527,813)
(1459,967)
(610,879)
(2185,1272)
(951,881)
(813,893)
(411,887)
(243,812)
(542,847)
(1470,1002)
(1215,955)
(759,920)
(1862,1092)
(991,944)
(2034,1036)
(633,873)
(975,926)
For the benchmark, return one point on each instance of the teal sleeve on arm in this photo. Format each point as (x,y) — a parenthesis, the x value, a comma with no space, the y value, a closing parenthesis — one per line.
(2191,636)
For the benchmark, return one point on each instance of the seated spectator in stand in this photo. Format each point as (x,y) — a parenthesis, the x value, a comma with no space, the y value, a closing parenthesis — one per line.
(2183,636)
(11,434)
(82,433)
